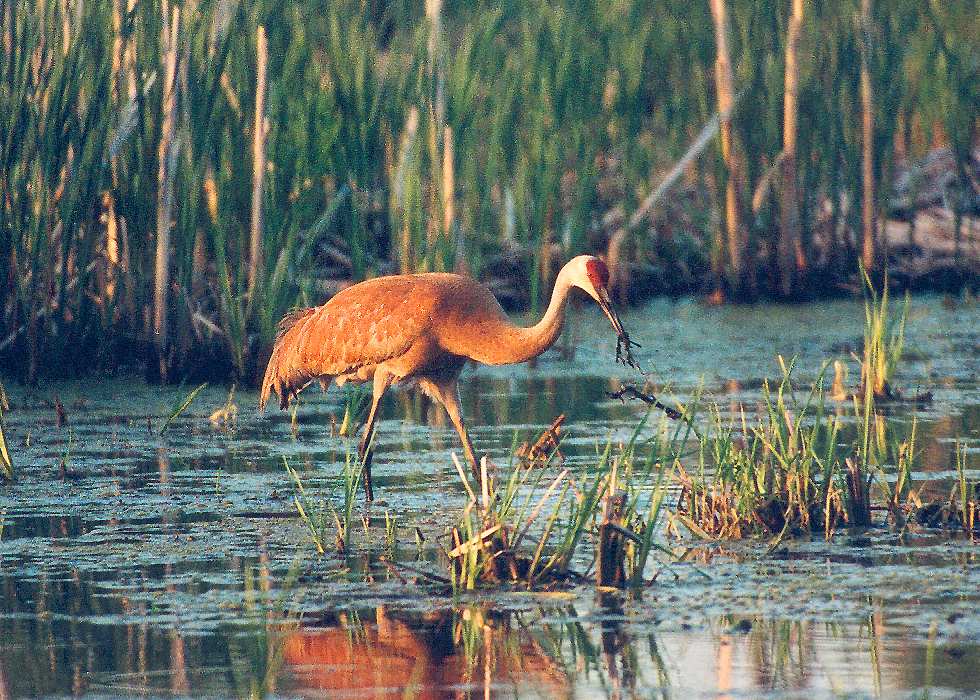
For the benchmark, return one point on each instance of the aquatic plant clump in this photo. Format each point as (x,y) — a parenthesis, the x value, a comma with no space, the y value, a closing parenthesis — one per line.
(800,468)
(531,531)
(959,512)
(884,339)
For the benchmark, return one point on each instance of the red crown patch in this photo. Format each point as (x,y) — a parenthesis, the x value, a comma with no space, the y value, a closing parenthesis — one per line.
(598,273)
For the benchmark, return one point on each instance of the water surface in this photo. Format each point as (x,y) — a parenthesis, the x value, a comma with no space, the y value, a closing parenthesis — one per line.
(134,563)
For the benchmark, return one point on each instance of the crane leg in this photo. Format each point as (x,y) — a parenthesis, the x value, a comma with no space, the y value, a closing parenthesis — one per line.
(448,396)
(382,380)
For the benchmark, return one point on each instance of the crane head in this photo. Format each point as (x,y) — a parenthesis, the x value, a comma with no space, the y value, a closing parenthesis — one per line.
(590,274)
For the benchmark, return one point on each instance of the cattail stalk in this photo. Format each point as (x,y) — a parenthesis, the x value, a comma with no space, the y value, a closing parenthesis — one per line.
(437,225)
(868,214)
(724,85)
(258,160)
(401,186)
(165,180)
(112,244)
(111,248)
(788,245)
(433,13)
(448,180)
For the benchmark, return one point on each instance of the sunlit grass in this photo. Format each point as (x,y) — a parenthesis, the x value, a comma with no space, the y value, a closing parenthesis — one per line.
(884,339)
(319,516)
(532,530)
(553,123)
(6,461)
(796,468)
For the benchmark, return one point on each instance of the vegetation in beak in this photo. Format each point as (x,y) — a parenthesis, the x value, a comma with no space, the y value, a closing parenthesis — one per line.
(624,345)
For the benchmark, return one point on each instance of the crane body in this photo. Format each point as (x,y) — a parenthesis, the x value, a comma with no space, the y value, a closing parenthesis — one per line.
(417,329)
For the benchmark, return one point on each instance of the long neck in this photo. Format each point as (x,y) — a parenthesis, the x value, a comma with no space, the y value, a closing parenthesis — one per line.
(533,341)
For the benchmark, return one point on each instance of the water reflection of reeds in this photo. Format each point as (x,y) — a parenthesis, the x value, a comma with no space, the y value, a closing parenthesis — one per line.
(548,649)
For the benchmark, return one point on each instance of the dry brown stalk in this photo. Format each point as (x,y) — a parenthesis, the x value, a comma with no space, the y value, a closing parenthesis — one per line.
(478,541)
(165,180)
(258,160)
(612,542)
(788,245)
(546,444)
(868,213)
(448,181)
(724,86)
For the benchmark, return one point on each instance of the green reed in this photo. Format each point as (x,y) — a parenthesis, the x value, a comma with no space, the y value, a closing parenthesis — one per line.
(884,339)
(504,145)
(318,517)
(797,467)
(531,528)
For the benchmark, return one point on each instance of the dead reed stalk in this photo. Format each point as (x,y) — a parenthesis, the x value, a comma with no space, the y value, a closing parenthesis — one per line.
(165,181)
(258,159)
(868,205)
(725,87)
(612,542)
(788,245)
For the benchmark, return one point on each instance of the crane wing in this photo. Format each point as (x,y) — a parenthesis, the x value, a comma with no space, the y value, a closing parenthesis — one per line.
(361,326)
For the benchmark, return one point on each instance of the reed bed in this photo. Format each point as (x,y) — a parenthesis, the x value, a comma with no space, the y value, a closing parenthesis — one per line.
(803,465)
(176,176)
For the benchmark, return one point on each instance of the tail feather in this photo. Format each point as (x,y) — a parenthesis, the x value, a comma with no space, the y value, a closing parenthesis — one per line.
(284,376)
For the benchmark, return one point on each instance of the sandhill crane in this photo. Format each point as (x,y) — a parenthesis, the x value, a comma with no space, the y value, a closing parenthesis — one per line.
(419,329)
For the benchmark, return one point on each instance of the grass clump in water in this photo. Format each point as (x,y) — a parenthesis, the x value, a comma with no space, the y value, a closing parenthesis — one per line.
(529,532)
(961,510)
(794,470)
(318,518)
(884,340)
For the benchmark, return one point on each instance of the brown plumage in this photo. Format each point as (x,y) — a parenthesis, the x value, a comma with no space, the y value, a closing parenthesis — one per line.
(417,328)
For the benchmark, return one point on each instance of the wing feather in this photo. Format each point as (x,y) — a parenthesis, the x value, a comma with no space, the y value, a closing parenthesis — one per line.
(362,326)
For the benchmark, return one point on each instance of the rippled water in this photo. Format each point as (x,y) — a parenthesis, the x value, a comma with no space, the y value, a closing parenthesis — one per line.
(138,564)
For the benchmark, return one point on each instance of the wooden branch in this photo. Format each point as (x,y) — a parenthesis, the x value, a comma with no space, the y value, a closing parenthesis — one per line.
(631,391)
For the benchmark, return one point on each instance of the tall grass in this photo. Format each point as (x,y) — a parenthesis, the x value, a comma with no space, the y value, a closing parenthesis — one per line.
(799,467)
(319,516)
(519,135)
(884,339)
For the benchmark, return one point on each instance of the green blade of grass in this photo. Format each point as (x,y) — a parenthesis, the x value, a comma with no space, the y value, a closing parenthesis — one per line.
(181,406)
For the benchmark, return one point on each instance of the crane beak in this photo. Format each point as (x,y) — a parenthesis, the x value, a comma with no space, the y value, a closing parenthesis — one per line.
(605,303)
(624,345)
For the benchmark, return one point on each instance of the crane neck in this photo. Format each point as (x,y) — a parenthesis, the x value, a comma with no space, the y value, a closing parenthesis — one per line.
(535,340)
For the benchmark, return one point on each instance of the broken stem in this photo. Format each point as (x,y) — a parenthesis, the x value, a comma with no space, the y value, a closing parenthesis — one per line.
(631,391)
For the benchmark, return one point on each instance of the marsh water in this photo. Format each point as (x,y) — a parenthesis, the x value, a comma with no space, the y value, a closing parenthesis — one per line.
(134,563)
